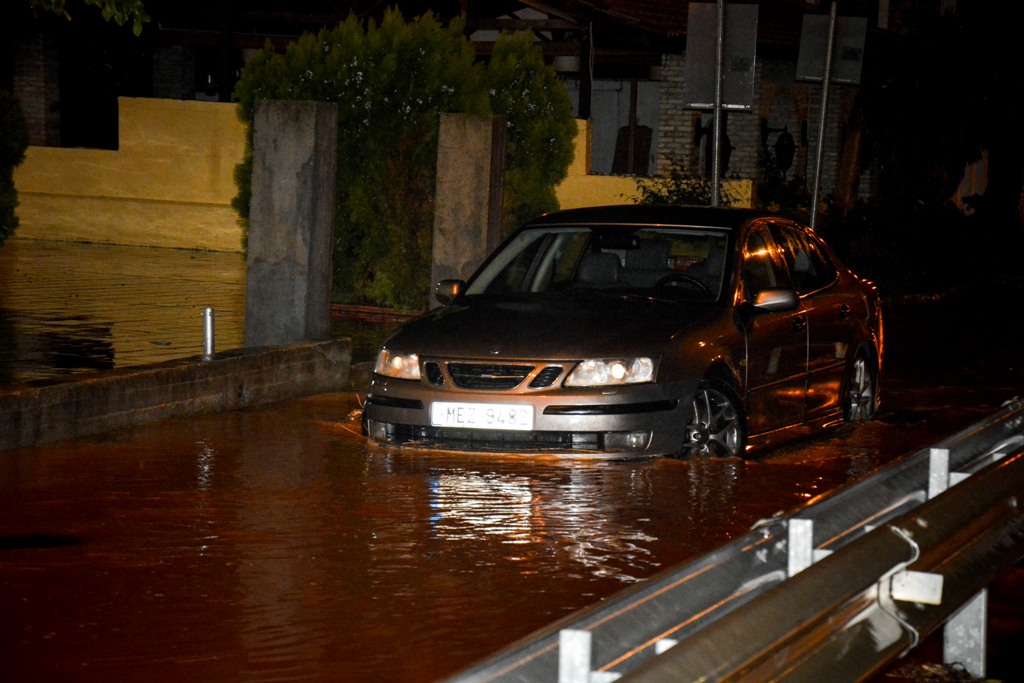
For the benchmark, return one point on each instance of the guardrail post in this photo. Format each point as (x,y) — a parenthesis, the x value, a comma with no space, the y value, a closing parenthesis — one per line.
(800,545)
(574,650)
(964,637)
(573,656)
(938,471)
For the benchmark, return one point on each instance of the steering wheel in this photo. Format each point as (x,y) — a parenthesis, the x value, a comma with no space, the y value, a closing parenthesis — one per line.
(673,279)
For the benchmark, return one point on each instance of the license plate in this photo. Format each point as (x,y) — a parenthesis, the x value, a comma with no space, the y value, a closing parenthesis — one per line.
(482,416)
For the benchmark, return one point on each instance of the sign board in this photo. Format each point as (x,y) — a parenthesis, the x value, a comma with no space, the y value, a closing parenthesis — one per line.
(847,50)
(738,50)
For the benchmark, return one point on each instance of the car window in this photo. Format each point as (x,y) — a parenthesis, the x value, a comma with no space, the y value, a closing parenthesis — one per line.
(761,268)
(710,266)
(684,264)
(512,277)
(656,261)
(533,261)
(809,267)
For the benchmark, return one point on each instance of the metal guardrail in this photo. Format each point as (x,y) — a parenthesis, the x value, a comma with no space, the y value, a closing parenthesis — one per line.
(834,590)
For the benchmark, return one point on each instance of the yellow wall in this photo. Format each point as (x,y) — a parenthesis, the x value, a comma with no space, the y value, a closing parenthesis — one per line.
(582,189)
(170,183)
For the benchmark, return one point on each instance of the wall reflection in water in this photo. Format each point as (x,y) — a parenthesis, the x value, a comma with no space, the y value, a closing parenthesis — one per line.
(53,346)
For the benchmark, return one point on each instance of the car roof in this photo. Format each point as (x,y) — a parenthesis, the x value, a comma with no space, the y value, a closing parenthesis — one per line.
(653,214)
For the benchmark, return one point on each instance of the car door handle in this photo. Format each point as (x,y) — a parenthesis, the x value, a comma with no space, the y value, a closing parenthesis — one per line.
(844,311)
(799,323)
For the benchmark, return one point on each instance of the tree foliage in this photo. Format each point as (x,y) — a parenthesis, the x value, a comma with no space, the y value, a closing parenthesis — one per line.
(132,12)
(536,108)
(391,82)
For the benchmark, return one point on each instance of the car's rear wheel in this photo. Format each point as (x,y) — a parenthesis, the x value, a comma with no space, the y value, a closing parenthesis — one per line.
(859,393)
(715,427)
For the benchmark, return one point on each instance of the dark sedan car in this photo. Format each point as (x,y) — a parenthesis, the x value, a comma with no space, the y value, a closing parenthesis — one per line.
(635,330)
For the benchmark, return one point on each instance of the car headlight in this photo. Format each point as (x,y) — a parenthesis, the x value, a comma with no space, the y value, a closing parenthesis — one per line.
(594,373)
(399,365)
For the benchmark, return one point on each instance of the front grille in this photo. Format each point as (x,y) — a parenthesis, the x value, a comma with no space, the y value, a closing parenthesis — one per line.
(546,377)
(433,372)
(488,377)
(494,440)
(391,402)
(513,441)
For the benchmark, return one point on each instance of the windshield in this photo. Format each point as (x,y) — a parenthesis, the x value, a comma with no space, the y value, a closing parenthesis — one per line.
(656,261)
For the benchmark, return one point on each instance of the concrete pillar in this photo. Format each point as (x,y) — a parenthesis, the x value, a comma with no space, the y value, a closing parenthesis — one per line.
(291,223)
(467,206)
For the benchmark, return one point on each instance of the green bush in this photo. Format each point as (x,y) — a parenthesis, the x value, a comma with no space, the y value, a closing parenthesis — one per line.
(680,186)
(13,143)
(541,130)
(391,82)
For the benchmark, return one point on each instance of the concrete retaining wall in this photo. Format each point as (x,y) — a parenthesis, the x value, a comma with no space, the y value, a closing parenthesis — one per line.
(132,396)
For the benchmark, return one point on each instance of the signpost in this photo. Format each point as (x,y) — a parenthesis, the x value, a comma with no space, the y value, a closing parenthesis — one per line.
(831,50)
(724,36)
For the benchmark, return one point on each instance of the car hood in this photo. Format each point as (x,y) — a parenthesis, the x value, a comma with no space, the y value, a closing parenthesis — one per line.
(549,327)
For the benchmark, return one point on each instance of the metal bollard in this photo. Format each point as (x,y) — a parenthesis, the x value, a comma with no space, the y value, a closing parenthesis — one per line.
(207,333)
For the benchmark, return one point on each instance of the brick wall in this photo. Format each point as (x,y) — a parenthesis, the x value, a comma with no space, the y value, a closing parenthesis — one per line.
(37,87)
(779,99)
(675,130)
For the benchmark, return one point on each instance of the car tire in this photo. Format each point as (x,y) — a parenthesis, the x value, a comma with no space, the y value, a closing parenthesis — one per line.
(715,426)
(858,393)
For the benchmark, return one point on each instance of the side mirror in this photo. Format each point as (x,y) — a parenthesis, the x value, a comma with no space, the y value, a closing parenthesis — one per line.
(447,291)
(776,300)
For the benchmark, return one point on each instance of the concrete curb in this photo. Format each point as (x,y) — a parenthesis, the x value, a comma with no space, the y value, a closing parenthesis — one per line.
(79,406)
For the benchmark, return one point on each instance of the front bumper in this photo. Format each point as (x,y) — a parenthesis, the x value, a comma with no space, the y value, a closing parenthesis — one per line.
(628,421)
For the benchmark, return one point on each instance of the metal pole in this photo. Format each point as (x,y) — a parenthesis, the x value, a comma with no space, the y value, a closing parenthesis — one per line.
(717,122)
(207,332)
(826,81)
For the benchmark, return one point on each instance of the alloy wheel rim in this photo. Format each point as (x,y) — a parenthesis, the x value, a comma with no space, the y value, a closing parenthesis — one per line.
(860,392)
(714,427)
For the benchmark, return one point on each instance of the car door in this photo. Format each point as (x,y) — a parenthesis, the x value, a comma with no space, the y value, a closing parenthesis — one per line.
(776,358)
(827,310)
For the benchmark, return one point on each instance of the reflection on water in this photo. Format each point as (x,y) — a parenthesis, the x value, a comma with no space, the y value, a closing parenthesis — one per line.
(275,545)
(554,525)
(57,345)
(73,308)
(465,505)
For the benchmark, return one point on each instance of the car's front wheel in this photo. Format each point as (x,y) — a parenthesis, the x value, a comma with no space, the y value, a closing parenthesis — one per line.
(859,397)
(715,427)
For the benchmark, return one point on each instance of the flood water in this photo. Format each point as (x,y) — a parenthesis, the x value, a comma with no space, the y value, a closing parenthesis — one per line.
(275,544)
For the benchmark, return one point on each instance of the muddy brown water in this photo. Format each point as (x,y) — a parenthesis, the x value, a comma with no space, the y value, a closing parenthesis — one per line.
(275,544)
